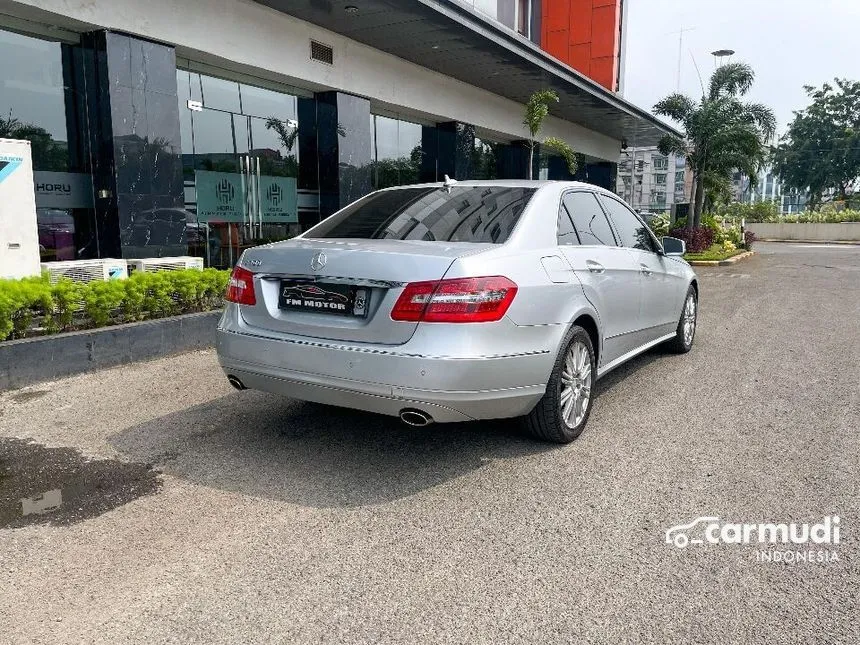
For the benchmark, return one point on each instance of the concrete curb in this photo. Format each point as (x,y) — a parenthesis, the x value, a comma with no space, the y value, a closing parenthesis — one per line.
(722,263)
(850,242)
(34,360)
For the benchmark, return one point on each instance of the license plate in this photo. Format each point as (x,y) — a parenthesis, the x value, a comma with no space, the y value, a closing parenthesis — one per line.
(323,297)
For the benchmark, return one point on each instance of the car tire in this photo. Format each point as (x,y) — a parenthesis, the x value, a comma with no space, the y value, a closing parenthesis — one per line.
(682,342)
(548,421)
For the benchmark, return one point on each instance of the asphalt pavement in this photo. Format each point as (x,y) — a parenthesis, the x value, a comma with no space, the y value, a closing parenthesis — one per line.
(164,507)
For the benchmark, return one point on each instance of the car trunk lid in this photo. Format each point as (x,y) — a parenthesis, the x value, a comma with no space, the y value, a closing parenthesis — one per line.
(374,269)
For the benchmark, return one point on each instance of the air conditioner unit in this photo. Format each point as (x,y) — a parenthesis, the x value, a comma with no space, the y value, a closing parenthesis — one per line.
(165,264)
(87,270)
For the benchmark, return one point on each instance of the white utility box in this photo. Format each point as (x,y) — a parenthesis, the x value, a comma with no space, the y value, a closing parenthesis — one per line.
(165,264)
(19,234)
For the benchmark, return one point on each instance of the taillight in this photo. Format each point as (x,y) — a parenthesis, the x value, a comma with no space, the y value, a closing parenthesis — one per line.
(240,288)
(456,300)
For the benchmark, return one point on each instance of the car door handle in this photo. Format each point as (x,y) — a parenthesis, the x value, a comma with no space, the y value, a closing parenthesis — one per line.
(644,270)
(594,267)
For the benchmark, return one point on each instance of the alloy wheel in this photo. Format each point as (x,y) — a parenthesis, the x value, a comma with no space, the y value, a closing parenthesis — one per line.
(689,319)
(576,380)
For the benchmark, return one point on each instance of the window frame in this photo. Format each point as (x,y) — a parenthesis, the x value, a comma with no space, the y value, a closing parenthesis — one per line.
(596,197)
(658,246)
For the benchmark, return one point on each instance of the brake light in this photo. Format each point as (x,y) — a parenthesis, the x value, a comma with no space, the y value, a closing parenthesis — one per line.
(457,300)
(240,288)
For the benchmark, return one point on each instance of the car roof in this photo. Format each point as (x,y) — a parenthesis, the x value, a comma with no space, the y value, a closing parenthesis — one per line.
(510,183)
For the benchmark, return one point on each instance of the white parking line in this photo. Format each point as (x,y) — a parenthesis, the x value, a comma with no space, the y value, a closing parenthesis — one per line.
(724,275)
(825,246)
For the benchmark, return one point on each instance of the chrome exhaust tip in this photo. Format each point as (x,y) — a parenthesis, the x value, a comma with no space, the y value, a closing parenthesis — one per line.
(415,418)
(235,382)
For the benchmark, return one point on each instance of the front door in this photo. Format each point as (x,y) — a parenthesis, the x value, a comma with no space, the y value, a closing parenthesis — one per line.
(609,276)
(660,277)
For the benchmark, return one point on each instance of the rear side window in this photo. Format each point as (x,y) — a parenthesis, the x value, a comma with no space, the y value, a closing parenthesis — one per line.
(589,219)
(458,214)
(633,232)
(566,232)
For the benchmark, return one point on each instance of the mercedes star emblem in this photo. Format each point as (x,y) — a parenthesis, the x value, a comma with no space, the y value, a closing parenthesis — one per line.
(318,261)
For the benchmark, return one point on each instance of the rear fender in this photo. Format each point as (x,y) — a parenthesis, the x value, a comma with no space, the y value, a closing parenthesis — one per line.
(539,300)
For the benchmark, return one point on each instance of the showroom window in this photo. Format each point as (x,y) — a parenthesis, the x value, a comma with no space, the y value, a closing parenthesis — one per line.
(39,102)
(484,162)
(396,156)
(240,158)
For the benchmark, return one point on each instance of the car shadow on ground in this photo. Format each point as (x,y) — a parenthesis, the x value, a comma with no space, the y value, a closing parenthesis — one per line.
(314,455)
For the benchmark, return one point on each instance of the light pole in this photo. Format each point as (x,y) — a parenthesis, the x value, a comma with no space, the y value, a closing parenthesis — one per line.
(720,54)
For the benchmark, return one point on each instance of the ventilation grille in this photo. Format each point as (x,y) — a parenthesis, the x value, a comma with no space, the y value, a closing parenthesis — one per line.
(322,53)
(86,270)
(166,264)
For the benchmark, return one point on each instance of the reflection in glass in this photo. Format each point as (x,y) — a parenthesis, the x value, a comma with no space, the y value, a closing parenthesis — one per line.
(39,103)
(263,103)
(214,147)
(275,145)
(397,152)
(247,131)
(219,94)
(484,160)
(32,99)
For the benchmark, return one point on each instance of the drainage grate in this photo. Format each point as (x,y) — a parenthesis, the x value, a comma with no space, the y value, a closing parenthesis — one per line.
(322,53)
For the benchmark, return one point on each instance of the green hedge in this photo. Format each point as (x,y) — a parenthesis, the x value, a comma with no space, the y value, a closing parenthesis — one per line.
(34,306)
(768,211)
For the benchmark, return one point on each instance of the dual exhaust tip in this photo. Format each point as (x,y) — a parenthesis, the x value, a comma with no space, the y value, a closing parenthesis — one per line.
(414,418)
(236,383)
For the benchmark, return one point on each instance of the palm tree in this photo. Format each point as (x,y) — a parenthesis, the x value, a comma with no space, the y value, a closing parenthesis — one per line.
(537,109)
(285,133)
(722,133)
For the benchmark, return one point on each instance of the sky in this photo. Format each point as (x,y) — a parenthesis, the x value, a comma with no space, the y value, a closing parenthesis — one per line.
(789,43)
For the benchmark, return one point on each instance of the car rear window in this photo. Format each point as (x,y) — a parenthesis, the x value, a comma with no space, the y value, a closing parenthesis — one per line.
(438,214)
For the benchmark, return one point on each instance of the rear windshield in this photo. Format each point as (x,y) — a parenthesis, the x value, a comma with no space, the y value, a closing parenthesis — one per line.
(458,214)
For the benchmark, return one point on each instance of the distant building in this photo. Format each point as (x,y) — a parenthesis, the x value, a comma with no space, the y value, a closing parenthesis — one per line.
(768,187)
(651,181)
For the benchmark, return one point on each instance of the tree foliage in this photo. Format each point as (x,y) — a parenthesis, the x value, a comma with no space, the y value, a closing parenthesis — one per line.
(821,150)
(48,154)
(537,109)
(722,133)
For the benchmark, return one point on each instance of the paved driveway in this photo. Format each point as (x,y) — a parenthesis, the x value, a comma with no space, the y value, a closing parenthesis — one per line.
(277,521)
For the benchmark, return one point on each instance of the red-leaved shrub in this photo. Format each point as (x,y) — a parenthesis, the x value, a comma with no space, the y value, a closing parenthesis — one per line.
(698,239)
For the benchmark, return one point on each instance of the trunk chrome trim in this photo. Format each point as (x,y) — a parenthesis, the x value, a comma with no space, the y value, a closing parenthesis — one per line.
(359,282)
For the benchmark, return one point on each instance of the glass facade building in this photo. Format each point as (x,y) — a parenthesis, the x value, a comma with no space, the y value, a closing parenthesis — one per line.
(170,139)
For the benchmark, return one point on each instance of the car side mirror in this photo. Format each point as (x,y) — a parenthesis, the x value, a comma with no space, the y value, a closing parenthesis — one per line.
(674,247)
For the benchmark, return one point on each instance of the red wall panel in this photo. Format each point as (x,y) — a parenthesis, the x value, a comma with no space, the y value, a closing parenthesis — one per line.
(585,34)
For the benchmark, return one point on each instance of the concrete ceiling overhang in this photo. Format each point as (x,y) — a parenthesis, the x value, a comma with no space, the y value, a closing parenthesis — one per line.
(455,40)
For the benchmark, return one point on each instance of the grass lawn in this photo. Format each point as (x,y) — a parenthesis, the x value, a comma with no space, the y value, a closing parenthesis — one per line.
(715,253)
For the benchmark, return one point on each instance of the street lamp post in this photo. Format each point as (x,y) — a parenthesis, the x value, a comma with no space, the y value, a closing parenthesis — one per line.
(720,54)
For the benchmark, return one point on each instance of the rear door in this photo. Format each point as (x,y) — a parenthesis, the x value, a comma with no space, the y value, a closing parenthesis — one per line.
(606,270)
(662,278)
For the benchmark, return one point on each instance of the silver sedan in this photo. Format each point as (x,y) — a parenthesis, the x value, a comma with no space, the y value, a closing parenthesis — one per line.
(459,301)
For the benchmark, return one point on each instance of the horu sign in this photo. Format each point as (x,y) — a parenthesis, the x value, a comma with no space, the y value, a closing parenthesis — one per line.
(63,190)
(279,200)
(220,196)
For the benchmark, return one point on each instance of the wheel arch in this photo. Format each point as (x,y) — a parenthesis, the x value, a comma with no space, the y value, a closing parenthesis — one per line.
(589,323)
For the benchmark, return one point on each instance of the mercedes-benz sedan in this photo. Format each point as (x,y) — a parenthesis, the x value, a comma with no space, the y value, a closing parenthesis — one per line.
(459,301)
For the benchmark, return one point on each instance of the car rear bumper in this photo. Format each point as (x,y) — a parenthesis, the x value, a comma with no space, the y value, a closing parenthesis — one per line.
(387,379)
